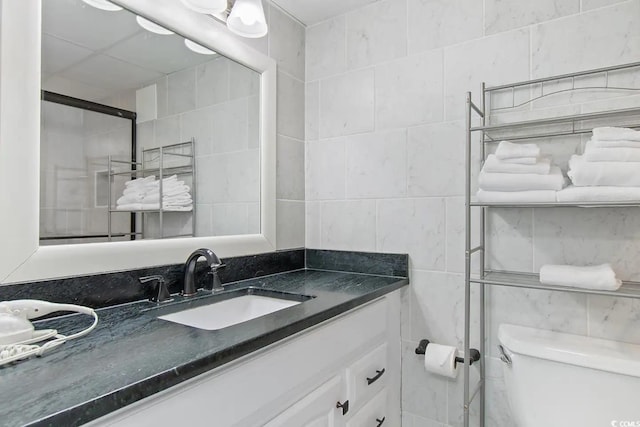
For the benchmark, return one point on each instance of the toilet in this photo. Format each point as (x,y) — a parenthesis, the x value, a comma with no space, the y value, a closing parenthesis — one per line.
(560,380)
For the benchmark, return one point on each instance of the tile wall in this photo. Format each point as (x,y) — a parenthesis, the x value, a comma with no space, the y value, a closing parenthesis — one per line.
(384,166)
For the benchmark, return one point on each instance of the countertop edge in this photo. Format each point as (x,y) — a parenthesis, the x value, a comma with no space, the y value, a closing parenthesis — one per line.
(118,399)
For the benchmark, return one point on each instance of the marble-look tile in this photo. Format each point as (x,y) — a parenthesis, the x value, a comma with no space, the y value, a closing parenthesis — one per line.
(409,91)
(287,43)
(557,311)
(376,164)
(611,35)
(243,81)
(203,220)
(456,236)
(347,104)
(434,24)
(182,91)
(616,319)
(595,4)
(145,135)
(326,49)
(437,308)
(423,393)
(326,169)
(229,219)
(212,82)
(498,412)
(311,111)
(236,176)
(496,59)
(230,126)
(253,213)
(510,240)
(198,124)
(312,228)
(253,126)
(588,237)
(167,131)
(406,297)
(290,180)
(414,226)
(290,104)
(503,15)
(436,155)
(455,396)
(162,97)
(290,224)
(349,225)
(376,33)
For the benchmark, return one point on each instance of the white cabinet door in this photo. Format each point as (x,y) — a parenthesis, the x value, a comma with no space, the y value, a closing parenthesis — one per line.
(317,409)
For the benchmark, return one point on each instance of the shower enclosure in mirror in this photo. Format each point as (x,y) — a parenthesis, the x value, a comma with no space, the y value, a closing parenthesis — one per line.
(134,119)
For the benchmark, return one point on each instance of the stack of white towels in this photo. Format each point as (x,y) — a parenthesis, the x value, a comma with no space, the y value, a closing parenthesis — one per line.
(518,173)
(609,169)
(144,194)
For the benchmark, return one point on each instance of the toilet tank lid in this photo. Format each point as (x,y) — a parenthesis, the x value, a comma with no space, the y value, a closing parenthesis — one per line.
(588,352)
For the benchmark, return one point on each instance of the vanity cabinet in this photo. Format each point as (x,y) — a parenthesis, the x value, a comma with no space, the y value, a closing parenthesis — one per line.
(344,372)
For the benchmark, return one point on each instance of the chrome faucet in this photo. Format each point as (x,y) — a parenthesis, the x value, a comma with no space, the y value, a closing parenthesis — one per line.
(214,263)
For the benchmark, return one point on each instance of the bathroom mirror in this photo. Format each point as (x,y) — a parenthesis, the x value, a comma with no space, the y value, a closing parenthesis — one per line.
(124,98)
(22,256)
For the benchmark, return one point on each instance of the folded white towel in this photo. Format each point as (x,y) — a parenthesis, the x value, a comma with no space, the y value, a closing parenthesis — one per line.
(616,133)
(130,198)
(509,150)
(188,208)
(138,206)
(535,196)
(170,191)
(521,182)
(493,164)
(615,174)
(598,194)
(155,198)
(618,143)
(600,277)
(140,181)
(521,160)
(593,153)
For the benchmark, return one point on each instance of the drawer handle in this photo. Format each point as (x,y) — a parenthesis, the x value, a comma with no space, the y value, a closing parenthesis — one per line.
(376,378)
(344,406)
(380,422)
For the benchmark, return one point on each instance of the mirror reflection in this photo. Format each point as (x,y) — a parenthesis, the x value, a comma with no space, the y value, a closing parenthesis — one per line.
(144,134)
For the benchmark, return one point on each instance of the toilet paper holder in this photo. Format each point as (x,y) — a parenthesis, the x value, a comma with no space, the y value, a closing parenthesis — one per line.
(422,349)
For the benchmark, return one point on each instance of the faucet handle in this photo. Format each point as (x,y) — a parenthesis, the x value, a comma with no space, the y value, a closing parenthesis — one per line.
(160,292)
(216,267)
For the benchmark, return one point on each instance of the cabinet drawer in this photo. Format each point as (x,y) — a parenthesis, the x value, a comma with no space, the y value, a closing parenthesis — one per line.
(367,376)
(373,414)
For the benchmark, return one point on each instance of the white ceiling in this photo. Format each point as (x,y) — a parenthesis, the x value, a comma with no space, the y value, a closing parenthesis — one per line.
(311,12)
(92,54)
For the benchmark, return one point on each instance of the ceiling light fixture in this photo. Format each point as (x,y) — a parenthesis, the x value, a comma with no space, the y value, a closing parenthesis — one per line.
(152,26)
(103,4)
(195,47)
(247,19)
(206,6)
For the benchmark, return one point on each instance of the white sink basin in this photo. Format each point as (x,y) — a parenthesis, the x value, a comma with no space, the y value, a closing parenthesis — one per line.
(229,312)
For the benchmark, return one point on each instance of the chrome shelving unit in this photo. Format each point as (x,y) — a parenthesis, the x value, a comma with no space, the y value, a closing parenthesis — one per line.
(517,97)
(143,169)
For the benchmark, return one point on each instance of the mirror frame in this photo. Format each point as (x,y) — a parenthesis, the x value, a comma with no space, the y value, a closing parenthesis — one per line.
(22,259)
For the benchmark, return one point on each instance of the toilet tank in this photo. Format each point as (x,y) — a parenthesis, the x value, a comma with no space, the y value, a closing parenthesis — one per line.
(563,380)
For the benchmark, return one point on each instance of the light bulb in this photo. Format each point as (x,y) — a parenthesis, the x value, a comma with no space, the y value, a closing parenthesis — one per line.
(103,5)
(152,26)
(206,6)
(195,47)
(247,19)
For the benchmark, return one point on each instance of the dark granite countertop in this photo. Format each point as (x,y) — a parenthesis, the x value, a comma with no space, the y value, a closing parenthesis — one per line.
(132,354)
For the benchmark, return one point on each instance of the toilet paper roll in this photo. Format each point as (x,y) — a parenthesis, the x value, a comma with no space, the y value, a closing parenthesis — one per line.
(441,360)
